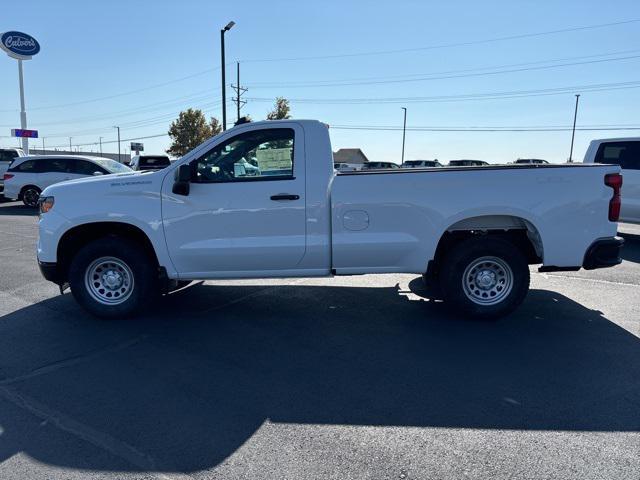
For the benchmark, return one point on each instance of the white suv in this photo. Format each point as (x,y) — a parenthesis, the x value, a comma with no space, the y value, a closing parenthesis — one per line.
(7,155)
(28,176)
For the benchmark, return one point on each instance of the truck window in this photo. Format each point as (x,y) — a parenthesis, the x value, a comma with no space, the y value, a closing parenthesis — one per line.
(258,155)
(625,154)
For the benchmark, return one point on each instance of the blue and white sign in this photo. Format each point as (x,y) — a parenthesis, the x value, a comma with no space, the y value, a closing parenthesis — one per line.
(19,45)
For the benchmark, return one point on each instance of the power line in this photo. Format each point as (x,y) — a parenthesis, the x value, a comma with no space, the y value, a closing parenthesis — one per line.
(464,97)
(130,92)
(446,45)
(444,75)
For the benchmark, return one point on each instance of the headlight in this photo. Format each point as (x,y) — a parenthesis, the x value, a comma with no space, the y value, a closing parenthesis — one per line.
(45,204)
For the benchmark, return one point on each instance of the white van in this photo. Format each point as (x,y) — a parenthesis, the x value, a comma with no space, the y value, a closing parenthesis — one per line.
(28,176)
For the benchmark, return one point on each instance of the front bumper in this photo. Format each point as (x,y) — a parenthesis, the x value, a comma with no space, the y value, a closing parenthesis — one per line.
(603,253)
(50,272)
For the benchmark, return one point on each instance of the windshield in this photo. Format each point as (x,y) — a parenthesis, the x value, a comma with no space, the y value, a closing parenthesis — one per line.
(155,161)
(112,166)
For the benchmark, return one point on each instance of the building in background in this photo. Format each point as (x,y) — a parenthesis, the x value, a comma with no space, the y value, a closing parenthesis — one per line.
(350,156)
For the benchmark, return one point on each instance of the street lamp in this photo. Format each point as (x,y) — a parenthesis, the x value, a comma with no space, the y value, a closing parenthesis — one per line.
(118,141)
(573,132)
(404,130)
(224,90)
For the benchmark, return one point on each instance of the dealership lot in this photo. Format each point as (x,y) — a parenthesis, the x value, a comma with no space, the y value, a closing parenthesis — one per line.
(352,377)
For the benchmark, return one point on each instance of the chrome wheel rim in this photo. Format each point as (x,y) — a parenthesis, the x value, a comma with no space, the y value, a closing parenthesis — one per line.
(109,280)
(31,197)
(487,280)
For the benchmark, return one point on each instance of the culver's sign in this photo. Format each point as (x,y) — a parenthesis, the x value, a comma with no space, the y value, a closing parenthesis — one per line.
(19,45)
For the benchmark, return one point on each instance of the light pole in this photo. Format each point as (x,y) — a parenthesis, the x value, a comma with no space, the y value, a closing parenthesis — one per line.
(118,141)
(224,80)
(404,131)
(573,132)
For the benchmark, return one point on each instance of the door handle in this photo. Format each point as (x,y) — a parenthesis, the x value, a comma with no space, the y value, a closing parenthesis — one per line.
(285,196)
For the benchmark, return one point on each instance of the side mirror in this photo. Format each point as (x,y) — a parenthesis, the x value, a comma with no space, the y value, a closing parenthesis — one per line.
(95,174)
(182,180)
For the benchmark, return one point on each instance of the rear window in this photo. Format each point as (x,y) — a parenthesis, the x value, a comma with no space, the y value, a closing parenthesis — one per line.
(8,155)
(27,167)
(154,162)
(625,154)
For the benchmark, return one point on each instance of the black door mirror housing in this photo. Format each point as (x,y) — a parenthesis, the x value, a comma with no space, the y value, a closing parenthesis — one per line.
(182,180)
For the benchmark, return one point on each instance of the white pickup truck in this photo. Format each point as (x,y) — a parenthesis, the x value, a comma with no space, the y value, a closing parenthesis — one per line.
(624,152)
(263,200)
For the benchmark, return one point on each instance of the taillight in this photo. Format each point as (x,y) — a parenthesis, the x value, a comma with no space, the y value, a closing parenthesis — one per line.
(614,180)
(7,176)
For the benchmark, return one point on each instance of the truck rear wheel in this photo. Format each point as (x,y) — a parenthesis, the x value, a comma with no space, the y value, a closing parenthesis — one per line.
(113,277)
(484,277)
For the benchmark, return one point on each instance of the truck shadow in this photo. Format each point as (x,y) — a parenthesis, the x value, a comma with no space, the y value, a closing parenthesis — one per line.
(206,370)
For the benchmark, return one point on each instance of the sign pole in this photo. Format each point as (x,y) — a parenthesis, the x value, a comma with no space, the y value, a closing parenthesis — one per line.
(23,113)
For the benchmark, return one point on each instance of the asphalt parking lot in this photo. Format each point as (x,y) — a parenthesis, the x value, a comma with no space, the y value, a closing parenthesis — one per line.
(351,377)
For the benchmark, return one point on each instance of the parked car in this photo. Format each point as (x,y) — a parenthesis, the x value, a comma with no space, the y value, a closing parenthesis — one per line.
(344,167)
(530,161)
(421,164)
(379,165)
(28,176)
(467,163)
(624,152)
(201,218)
(149,162)
(7,155)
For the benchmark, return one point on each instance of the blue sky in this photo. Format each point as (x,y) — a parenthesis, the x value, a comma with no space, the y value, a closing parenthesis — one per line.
(105,63)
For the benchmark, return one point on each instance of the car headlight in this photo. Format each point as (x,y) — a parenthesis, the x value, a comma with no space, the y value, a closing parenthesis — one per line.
(45,204)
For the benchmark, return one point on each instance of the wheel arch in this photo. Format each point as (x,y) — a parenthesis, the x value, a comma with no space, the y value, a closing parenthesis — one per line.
(518,230)
(75,238)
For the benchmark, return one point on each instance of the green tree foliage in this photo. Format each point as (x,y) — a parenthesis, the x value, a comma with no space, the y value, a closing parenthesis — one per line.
(189,130)
(281,110)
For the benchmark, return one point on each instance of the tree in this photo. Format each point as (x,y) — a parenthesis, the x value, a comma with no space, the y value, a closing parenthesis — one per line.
(216,128)
(281,110)
(190,130)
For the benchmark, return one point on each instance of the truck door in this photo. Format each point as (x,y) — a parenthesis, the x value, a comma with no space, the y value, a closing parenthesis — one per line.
(245,211)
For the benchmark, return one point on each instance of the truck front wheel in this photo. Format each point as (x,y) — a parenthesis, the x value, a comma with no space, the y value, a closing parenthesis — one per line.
(112,277)
(485,277)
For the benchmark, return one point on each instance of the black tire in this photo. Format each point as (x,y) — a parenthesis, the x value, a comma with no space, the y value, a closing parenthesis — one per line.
(484,277)
(130,264)
(30,196)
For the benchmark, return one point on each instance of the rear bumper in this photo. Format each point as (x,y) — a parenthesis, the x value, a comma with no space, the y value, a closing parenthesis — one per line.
(603,253)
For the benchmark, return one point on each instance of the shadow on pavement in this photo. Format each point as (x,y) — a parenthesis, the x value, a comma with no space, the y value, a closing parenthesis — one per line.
(631,248)
(210,366)
(11,207)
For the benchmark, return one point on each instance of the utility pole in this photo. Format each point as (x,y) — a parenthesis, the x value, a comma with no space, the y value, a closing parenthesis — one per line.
(573,132)
(100,146)
(404,131)
(224,80)
(70,147)
(239,91)
(118,141)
